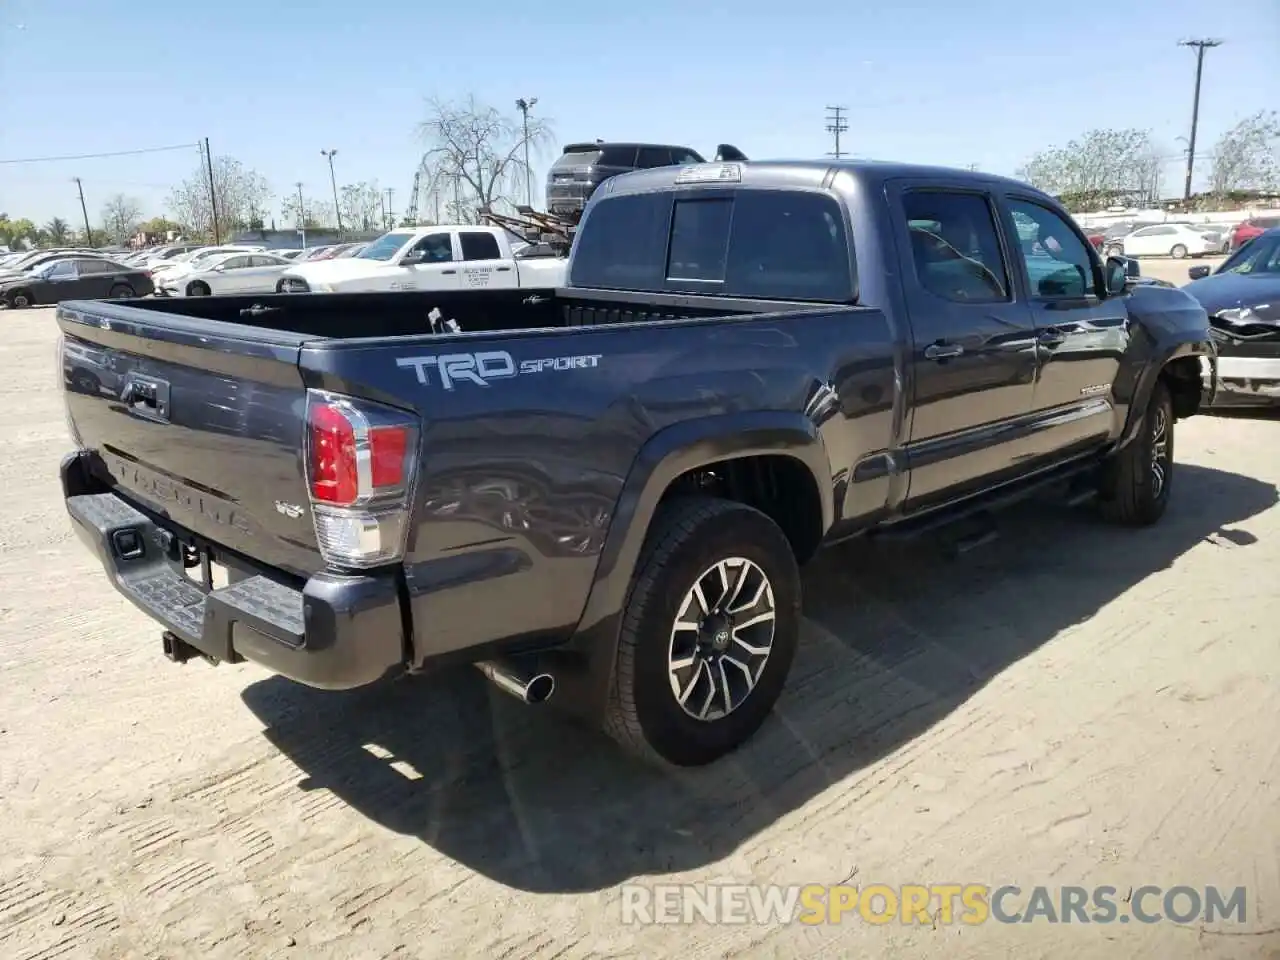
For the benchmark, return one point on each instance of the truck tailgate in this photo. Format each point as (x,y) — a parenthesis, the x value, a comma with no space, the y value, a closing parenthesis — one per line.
(198,421)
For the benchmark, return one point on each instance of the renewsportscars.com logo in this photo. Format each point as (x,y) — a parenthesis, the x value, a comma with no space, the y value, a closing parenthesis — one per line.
(485,366)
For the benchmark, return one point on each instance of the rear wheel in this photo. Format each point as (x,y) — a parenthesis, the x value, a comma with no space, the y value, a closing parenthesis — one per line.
(708,634)
(1135,484)
(198,289)
(121,291)
(1178,252)
(20,299)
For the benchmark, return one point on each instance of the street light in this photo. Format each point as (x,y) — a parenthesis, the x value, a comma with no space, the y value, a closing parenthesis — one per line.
(334,182)
(524,106)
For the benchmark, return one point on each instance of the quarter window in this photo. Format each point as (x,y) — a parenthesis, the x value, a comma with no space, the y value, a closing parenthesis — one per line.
(955,247)
(1057,261)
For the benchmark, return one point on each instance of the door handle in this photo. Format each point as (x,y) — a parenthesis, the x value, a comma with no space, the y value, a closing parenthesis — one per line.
(504,269)
(943,351)
(447,272)
(1051,338)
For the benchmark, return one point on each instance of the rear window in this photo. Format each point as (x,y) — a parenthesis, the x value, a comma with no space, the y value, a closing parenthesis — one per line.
(579,158)
(784,245)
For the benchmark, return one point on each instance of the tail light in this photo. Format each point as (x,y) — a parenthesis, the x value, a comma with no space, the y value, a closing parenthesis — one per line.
(361,461)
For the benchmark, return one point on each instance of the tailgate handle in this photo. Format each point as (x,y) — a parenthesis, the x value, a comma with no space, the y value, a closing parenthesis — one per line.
(146,396)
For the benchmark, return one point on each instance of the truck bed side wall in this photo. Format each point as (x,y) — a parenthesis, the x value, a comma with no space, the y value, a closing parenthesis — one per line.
(524,465)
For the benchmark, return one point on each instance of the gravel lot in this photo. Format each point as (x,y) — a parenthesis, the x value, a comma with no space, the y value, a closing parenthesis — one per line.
(1069,705)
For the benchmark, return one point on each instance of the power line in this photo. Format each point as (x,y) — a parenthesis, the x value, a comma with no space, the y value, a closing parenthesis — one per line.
(99,156)
(1200,47)
(837,124)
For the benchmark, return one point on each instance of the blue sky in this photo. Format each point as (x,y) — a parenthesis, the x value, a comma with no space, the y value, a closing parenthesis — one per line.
(272,83)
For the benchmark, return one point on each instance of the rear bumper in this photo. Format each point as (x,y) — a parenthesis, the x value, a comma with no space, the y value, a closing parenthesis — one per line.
(335,633)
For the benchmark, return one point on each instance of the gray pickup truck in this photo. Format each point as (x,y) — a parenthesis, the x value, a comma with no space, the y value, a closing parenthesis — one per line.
(602,494)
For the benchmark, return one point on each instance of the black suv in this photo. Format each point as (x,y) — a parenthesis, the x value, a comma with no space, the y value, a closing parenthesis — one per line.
(584,166)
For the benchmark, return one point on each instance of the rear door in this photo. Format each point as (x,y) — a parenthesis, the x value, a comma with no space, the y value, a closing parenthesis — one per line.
(203,426)
(1081,334)
(63,282)
(973,340)
(96,278)
(483,266)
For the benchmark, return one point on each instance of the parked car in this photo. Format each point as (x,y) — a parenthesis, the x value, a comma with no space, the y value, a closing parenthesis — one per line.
(312,253)
(171,271)
(74,278)
(1177,240)
(582,167)
(228,273)
(426,258)
(38,258)
(1242,298)
(350,250)
(605,491)
(1246,230)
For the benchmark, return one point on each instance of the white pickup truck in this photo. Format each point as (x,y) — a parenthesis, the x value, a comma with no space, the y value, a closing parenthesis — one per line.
(428,258)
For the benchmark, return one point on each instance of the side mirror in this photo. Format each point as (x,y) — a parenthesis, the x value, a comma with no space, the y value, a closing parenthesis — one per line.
(1198,273)
(412,257)
(1115,274)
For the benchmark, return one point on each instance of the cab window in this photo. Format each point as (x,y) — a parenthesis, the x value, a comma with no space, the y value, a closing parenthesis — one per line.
(955,246)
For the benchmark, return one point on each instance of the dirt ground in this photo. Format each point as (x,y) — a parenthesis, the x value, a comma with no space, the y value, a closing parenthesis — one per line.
(1070,705)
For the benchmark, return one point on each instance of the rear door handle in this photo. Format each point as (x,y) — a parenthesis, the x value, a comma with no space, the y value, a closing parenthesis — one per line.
(943,351)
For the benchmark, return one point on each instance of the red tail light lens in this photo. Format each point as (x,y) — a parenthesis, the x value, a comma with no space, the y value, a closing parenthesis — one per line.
(334,473)
(388,445)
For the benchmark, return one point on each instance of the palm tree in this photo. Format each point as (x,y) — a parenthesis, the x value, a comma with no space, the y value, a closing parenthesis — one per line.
(57,230)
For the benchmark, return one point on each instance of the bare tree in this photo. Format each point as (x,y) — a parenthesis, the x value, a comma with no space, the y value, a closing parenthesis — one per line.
(315,214)
(475,155)
(1247,157)
(361,207)
(120,217)
(242,196)
(1097,168)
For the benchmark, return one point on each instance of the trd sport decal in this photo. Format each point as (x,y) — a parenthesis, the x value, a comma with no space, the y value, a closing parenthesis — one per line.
(484,367)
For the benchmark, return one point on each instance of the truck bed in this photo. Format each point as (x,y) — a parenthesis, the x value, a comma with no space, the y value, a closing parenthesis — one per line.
(345,315)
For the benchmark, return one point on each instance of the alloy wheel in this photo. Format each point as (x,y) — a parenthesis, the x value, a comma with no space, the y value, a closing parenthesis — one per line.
(1159,451)
(721,638)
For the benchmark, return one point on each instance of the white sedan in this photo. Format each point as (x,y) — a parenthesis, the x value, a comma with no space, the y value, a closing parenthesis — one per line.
(229,273)
(1175,240)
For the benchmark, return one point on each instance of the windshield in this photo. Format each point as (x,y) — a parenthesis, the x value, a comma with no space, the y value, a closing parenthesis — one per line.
(385,247)
(1260,255)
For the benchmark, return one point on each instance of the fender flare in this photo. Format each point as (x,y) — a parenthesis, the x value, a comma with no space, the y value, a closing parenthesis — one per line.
(677,449)
(1151,374)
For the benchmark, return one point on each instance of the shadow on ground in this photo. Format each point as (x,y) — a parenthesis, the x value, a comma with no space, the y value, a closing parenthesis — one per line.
(899,637)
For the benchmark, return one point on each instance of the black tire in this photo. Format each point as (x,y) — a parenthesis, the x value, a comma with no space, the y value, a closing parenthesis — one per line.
(121,291)
(1132,491)
(198,289)
(1179,252)
(20,299)
(689,536)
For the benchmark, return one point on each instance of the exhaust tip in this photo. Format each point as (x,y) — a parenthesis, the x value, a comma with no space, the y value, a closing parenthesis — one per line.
(539,688)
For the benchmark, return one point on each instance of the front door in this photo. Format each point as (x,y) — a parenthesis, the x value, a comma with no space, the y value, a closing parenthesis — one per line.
(62,282)
(1081,334)
(973,342)
(436,270)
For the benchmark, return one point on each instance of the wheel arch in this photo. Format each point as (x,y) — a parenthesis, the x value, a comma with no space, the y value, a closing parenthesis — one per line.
(679,452)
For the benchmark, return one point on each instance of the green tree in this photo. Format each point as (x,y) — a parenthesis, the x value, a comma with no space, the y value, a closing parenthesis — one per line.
(57,231)
(1098,168)
(160,227)
(15,233)
(360,204)
(1247,157)
(121,216)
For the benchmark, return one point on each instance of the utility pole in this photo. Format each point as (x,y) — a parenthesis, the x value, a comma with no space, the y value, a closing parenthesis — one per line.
(391,210)
(337,210)
(837,124)
(383,198)
(302,217)
(524,105)
(88,233)
(1200,47)
(213,197)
